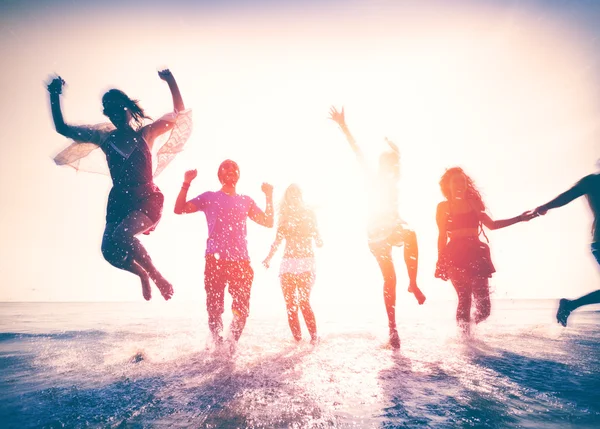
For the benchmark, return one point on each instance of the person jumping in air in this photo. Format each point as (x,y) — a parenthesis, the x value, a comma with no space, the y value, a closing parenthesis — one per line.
(135,202)
(465,260)
(590,187)
(227,259)
(386,229)
(298,227)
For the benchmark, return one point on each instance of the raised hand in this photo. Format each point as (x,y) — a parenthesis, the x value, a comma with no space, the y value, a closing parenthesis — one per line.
(190,175)
(165,75)
(267,189)
(337,117)
(56,85)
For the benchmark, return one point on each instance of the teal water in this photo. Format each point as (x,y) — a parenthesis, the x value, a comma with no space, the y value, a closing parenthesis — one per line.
(139,365)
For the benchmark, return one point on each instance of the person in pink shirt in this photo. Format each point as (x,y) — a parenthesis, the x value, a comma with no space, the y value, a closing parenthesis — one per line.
(227,259)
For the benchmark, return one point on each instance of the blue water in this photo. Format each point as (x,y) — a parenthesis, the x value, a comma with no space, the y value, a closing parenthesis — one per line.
(144,365)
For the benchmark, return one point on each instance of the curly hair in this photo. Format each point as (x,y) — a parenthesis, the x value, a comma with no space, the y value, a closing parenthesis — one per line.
(116,95)
(472,192)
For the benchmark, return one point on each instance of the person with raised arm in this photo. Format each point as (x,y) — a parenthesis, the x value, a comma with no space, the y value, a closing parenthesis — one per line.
(590,187)
(297,225)
(386,229)
(227,258)
(135,203)
(463,258)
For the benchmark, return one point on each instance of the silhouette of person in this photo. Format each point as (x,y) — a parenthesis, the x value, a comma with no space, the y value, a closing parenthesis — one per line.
(464,259)
(298,227)
(590,187)
(135,202)
(386,229)
(227,259)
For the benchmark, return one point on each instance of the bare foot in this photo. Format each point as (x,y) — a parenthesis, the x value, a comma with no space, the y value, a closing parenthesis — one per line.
(165,288)
(563,312)
(146,289)
(394,338)
(414,289)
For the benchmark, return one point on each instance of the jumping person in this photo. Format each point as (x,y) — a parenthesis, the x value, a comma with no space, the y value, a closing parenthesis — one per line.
(386,229)
(135,202)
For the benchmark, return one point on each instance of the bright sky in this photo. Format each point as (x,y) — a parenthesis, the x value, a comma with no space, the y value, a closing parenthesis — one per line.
(507,90)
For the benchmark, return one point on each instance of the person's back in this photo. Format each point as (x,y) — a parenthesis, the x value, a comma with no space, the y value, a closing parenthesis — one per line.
(299,232)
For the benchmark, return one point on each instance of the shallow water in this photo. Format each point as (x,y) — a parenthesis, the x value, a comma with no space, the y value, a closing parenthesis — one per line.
(134,365)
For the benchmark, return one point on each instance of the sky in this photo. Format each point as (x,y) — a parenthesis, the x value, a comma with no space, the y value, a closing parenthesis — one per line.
(509,90)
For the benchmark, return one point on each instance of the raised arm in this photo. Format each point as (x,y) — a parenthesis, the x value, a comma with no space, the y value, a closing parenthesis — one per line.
(579,189)
(265,218)
(181,204)
(161,126)
(340,119)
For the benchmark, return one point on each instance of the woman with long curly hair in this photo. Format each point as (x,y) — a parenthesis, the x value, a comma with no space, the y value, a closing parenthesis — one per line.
(465,260)
(297,225)
(135,203)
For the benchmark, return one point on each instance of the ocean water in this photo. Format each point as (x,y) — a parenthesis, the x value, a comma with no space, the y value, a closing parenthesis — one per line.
(140,365)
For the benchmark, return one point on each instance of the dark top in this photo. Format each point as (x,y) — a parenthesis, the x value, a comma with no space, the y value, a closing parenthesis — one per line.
(129,159)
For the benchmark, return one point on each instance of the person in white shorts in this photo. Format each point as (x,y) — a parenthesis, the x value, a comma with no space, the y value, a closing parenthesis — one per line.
(298,227)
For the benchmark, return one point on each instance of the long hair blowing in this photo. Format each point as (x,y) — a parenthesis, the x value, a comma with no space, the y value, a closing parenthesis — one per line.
(472,192)
(130,104)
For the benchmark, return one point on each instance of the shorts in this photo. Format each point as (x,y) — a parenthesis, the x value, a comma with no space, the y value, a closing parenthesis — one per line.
(218,274)
(382,247)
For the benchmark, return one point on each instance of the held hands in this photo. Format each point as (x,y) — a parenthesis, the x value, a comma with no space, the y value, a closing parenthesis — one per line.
(56,85)
(190,175)
(337,117)
(165,75)
(540,211)
(267,190)
(528,215)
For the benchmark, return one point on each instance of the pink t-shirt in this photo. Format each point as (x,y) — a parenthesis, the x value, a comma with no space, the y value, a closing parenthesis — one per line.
(226,219)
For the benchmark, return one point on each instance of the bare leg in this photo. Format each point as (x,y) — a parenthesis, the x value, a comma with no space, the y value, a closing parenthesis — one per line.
(481,293)
(566,306)
(305,282)
(289,285)
(463,310)
(384,259)
(118,257)
(124,237)
(411,258)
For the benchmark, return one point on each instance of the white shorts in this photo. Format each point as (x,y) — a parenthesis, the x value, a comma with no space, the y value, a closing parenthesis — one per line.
(297,266)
